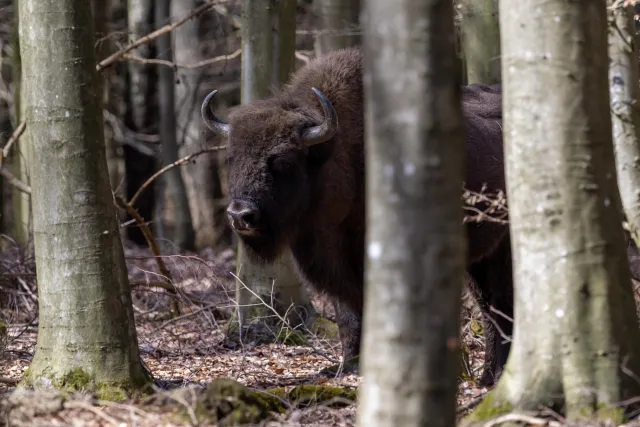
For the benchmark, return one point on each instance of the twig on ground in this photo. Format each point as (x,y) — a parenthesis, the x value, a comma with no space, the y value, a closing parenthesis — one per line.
(178,162)
(184,316)
(91,408)
(161,285)
(175,309)
(511,418)
(155,34)
(172,64)
(9,381)
(471,403)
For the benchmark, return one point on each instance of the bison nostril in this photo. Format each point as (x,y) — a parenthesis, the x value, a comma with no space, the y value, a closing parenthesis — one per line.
(243,215)
(249,217)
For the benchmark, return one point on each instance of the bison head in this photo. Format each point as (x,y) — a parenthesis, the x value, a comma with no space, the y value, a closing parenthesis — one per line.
(271,166)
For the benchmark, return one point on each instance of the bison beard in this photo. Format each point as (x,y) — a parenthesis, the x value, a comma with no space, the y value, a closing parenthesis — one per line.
(304,147)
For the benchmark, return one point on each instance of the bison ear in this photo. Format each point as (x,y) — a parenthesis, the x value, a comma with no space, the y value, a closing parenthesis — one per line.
(318,154)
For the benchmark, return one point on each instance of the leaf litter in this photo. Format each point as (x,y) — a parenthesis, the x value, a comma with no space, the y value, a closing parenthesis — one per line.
(193,349)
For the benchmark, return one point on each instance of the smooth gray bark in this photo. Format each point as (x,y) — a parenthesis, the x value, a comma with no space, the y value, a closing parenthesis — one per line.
(481,40)
(416,248)
(339,24)
(20,153)
(576,333)
(200,177)
(86,318)
(184,235)
(265,58)
(625,112)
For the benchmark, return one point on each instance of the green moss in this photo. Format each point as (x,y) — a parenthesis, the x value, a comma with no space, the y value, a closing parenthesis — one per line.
(226,402)
(111,393)
(311,395)
(465,365)
(602,412)
(490,408)
(608,412)
(477,328)
(76,379)
(290,336)
(82,381)
(325,327)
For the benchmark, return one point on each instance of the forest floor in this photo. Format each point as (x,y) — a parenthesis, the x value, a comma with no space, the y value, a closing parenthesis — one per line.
(192,350)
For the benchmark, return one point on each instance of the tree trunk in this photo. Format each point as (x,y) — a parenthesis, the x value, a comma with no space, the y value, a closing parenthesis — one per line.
(20,153)
(101,18)
(576,335)
(284,41)
(625,115)
(87,332)
(141,116)
(201,178)
(265,57)
(481,40)
(184,236)
(416,249)
(339,24)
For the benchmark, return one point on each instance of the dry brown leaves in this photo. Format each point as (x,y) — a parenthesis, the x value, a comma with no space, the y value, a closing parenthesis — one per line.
(193,349)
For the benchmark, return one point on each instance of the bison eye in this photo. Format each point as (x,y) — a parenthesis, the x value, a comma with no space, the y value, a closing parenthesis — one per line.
(281,166)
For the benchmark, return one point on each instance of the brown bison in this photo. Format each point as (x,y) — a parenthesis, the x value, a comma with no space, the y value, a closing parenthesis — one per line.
(296,180)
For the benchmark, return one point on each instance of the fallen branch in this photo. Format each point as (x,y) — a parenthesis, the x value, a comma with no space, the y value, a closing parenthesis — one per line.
(522,418)
(154,35)
(175,309)
(171,64)
(178,162)
(78,404)
(471,404)
(9,381)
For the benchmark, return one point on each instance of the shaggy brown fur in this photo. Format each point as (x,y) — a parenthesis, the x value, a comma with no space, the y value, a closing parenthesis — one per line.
(312,200)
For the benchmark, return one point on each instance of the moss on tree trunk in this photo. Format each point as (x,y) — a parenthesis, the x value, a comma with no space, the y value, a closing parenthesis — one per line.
(86,322)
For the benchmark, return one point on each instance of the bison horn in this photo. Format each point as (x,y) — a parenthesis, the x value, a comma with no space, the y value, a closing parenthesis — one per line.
(325,131)
(217,125)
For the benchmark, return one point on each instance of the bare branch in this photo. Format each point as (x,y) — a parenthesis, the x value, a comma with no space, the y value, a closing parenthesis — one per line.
(12,180)
(494,206)
(175,310)
(155,34)
(178,162)
(17,133)
(186,66)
